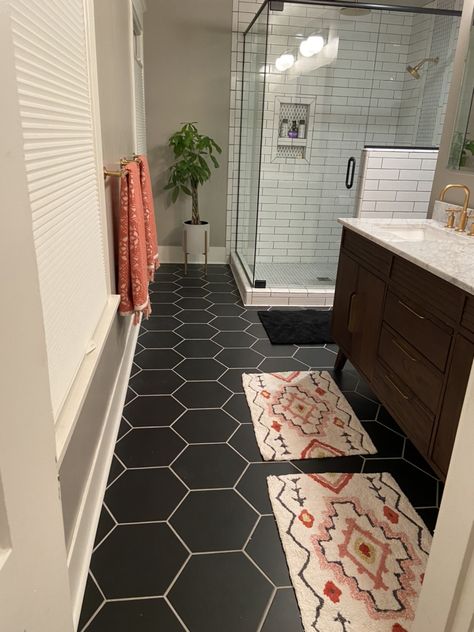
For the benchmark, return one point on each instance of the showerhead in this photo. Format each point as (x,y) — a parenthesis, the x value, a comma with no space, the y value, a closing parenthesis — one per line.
(415,70)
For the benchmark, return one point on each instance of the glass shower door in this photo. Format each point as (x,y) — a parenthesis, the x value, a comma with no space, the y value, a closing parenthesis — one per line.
(319,80)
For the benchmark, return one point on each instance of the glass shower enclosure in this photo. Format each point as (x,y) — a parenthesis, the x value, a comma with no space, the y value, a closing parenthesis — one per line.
(321,81)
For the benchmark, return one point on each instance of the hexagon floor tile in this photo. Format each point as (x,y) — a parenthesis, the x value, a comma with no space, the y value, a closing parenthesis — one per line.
(161,410)
(126,563)
(219,592)
(158,359)
(144,495)
(155,382)
(161,323)
(148,447)
(204,529)
(200,369)
(198,348)
(188,474)
(136,615)
(205,426)
(201,331)
(208,394)
(209,466)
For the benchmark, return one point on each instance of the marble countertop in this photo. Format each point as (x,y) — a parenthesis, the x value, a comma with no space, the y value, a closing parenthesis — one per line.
(451,257)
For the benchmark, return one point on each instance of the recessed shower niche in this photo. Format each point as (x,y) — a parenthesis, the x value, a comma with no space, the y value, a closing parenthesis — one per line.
(292,128)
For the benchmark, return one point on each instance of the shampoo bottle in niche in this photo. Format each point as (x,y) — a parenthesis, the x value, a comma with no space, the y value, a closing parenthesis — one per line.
(284,128)
(302,129)
(293,133)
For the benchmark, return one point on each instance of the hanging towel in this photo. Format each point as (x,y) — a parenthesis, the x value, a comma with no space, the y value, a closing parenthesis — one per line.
(153,262)
(132,249)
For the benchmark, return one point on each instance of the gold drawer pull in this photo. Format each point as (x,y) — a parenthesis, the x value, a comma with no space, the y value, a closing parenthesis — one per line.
(403,350)
(352,322)
(411,310)
(396,387)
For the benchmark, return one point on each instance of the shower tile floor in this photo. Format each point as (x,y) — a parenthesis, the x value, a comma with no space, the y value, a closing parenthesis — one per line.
(186,539)
(297,275)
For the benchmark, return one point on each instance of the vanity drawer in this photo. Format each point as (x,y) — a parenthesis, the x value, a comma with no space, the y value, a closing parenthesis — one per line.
(404,406)
(424,380)
(374,257)
(424,288)
(418,329)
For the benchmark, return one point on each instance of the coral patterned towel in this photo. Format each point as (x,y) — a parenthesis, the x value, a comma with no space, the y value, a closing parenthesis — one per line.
(132,250)
(149,217)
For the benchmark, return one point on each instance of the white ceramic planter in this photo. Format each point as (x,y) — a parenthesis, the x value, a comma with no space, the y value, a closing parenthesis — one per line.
(194,238)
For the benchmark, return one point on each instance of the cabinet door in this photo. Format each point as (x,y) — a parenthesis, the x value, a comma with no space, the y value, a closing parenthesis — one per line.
(368,305)
(463,355)
(346,289)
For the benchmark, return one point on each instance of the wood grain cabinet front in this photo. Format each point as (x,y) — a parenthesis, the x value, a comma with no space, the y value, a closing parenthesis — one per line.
(411,335)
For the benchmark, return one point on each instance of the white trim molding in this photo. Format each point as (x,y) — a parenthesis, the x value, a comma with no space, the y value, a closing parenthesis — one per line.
(85,528)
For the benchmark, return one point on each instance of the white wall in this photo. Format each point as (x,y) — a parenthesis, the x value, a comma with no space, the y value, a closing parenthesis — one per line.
(187,64)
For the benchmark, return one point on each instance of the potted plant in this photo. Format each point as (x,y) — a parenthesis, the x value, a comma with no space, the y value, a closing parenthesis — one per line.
(194,154)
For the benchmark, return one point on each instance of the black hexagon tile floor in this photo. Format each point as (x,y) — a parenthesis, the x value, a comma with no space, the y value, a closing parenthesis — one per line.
(186,541)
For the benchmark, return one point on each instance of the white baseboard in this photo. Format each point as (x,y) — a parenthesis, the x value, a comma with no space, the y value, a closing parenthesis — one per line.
(82,542)
(174,254)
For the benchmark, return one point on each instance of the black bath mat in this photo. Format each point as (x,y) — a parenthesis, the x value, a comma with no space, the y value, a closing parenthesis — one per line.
(298,327)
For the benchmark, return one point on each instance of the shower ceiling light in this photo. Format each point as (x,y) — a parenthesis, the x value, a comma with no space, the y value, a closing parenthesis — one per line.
(284,62)
(312,45)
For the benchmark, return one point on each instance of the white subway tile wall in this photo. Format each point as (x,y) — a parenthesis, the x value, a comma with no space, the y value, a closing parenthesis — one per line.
(365,96)
(395,183)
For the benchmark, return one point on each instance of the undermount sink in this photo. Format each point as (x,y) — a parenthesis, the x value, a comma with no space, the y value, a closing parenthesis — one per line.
(416,232)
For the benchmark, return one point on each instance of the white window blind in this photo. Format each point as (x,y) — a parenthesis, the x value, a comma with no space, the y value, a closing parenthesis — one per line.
(139,78)
(56,110)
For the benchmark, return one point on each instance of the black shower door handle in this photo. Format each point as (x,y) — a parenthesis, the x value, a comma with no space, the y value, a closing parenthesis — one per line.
(351,165)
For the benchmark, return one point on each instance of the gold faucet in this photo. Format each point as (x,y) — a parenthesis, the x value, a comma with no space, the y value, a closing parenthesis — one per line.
(464,213)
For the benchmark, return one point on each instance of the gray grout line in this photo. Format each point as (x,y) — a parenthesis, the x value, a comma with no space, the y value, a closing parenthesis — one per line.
(258,568)
(175,612)
(267,609)
(87,624)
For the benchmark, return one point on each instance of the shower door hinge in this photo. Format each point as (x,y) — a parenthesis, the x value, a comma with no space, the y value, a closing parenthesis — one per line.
(277,5)
(259,283)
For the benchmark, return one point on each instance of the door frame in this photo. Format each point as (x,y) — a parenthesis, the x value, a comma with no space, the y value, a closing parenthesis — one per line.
(446,601)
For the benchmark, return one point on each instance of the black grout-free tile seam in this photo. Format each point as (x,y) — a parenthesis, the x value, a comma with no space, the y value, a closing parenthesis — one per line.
(187,541)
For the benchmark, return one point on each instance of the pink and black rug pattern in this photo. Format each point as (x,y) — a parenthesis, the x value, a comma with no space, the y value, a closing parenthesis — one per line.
(303,415)
(356,550)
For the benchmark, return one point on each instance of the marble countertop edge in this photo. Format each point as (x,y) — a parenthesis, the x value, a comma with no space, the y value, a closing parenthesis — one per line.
(451,261)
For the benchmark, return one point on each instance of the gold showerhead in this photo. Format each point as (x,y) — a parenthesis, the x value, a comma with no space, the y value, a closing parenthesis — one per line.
(415,70)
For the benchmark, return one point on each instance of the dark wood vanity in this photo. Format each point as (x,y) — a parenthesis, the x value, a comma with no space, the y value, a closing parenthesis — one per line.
(411,335)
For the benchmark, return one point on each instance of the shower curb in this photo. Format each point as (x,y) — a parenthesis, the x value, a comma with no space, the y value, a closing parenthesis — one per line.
(296,297)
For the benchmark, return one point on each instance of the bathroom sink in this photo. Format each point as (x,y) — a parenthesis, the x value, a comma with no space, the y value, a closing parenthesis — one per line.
(416,232)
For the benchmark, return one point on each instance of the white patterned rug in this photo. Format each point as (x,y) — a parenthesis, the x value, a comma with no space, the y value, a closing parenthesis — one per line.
(355,547)
(303,415)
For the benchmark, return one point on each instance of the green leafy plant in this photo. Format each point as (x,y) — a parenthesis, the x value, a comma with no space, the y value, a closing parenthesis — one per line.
(192,152)
(467,147)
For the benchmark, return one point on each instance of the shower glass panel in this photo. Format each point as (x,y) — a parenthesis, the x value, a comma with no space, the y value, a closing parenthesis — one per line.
(320,83)
(252,108)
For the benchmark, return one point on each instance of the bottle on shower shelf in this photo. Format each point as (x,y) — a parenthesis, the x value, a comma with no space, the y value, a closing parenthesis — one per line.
(293,133)
(302,129)
(284,128)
